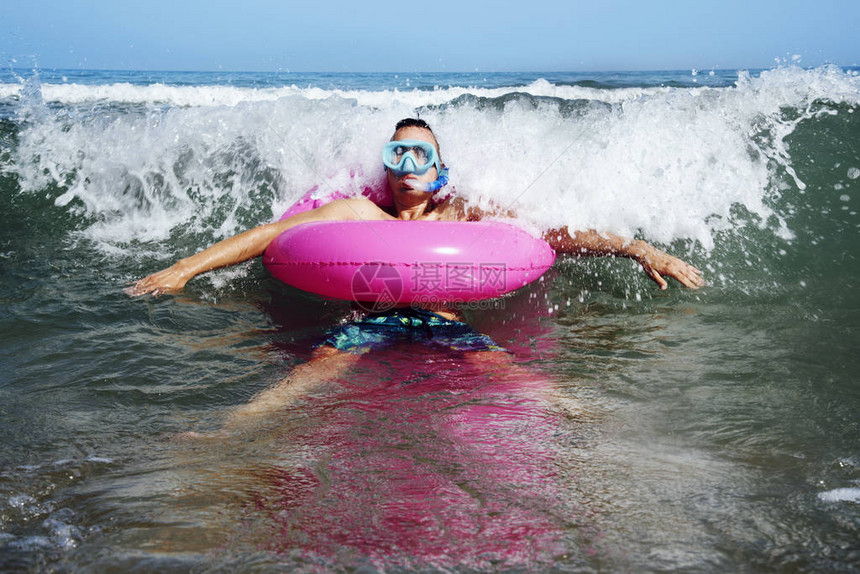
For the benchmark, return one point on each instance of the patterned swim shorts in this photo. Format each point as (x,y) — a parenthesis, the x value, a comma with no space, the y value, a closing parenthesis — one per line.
(409,325)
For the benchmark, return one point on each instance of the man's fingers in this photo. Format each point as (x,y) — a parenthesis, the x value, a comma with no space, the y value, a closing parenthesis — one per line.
(683,273)
(692,277)
(658,279)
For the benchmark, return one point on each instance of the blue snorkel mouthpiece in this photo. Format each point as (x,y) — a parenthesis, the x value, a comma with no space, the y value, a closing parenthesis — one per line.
(430,186)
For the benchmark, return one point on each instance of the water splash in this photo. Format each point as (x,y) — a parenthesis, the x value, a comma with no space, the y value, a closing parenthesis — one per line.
(148,163)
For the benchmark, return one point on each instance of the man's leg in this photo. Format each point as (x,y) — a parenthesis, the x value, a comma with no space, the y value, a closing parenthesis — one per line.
(326,364)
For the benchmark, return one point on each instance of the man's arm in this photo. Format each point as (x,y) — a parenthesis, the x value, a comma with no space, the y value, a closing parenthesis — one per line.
(656,263)
(246,246)
(230,251)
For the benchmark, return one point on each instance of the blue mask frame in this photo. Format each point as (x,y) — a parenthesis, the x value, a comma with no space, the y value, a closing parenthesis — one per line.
(408,152)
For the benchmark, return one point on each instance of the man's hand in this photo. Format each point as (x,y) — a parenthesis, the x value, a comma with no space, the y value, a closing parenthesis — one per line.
(658,264)
(173,278)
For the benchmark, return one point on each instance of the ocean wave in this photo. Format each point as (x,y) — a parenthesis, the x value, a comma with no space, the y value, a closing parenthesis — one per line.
(829,81)
(668,164)
(127,93)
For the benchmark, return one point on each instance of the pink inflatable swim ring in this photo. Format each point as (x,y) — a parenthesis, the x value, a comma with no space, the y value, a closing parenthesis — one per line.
(391,262)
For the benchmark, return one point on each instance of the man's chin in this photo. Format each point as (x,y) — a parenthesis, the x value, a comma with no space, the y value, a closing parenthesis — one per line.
(405,190)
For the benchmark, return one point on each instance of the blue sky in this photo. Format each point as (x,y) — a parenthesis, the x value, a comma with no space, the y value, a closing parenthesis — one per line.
(447,36)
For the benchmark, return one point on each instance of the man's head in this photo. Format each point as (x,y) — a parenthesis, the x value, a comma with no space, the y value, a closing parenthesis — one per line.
(408,126)
(414,171)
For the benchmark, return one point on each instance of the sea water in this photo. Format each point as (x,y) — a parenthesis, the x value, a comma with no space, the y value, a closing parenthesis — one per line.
(632,429)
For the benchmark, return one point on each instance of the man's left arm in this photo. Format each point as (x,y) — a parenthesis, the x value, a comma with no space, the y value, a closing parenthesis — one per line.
(657,264)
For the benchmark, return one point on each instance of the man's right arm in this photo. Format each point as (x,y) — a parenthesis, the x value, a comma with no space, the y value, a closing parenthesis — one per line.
(230,251)
(246,246)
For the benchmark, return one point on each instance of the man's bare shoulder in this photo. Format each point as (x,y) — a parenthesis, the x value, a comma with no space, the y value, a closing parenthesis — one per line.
(458,209)
(353,208)
(455,209)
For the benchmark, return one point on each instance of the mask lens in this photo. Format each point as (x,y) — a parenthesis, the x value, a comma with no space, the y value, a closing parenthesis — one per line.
(397,154)
(421,156)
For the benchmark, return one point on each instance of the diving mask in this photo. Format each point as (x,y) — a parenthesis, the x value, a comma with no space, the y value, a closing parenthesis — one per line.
(410,156)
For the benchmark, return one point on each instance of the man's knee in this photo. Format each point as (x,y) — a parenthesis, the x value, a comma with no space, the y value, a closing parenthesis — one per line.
(325,351)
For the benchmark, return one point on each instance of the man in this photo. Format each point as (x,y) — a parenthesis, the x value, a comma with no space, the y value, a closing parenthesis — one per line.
(414,170)
(411,202)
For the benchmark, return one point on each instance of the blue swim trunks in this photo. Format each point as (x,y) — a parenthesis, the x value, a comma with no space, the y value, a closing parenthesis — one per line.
(408,325)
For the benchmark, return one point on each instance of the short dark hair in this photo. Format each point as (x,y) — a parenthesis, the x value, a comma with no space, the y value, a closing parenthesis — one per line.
(413,123)
(417,123)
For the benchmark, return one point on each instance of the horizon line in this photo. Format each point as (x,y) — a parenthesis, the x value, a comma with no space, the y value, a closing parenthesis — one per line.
(401,72)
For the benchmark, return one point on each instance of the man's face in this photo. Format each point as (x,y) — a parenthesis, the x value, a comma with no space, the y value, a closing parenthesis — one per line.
(398,183)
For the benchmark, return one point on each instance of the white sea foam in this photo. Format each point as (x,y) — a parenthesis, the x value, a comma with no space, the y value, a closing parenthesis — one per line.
(841,495)
(209,96)
(667,163)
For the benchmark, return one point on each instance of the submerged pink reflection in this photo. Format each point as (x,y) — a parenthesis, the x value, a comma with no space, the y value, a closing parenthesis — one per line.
(418,457)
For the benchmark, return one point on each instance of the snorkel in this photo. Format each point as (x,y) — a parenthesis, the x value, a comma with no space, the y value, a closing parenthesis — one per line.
(430,186)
